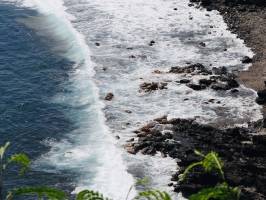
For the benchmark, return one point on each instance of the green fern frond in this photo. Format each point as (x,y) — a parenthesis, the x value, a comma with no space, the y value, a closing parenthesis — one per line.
(210,162)
(3,150)
(90,195)
(40,192)
(219,192)
(142,182)
(188,169)
(153,195)
(21,159)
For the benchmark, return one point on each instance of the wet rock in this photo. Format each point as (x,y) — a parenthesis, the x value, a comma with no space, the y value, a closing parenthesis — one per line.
(202,44)
(97,44)
(219,86)
(130,140)
(128,111)
(162,86)
(162,120)
(176,70)
(130,148)
(152,43)
(157,71)
(109,97)
(117,137)
(259,139)
(148,87)
(261,99)
(196,86)
(232,83)
(206,82)
(246,60)
(147,128)
(184,81)
(194,68)
(234,91)
(219,71)
(170,184)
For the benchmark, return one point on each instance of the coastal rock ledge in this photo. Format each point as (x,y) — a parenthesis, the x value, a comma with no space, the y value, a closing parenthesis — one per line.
(243,151)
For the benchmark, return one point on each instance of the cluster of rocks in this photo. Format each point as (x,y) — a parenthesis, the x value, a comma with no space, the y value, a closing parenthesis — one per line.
(207,3)
(243,153)
(217,78)
(149,87)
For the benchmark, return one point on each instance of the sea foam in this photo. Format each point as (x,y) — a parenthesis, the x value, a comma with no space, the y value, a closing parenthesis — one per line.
(89,150)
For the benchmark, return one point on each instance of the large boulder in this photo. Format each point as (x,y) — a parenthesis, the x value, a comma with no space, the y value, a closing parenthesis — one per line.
(261,99)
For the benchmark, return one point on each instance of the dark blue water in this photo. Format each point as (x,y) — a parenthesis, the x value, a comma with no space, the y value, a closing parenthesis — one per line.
(30,75)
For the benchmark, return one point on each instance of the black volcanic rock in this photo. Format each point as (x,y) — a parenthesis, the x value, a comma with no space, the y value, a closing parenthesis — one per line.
(246,60)
(243,153)
(149,87)
(261,99)
(109,96)
(196,86)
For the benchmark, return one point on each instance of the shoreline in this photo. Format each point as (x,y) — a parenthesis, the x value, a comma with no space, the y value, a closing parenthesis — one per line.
(242,149)
(247,19)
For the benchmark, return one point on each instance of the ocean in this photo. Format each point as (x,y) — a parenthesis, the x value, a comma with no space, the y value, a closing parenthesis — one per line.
(58,60)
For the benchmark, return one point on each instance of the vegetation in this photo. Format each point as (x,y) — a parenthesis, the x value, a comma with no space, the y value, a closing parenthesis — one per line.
(210,163)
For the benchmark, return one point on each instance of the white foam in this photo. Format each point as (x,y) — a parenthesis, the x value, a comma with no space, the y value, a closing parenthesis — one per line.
(90,149)
(118,24)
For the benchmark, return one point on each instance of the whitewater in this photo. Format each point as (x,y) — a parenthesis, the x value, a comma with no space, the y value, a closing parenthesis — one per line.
(108,42)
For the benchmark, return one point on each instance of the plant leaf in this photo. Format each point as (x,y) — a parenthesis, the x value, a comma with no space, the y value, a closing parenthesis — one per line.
(3,149)
(197,152)
(90,195)
(142,182)
(187,170)
(49,193)
(212,162)
(219,192)
(21,159)
(154,195)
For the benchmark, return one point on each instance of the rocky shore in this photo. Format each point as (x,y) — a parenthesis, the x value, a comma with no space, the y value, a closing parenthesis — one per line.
(246,18)
(243,150)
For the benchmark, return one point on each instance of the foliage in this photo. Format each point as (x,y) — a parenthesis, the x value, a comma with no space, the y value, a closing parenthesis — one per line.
(142,181)
(3,150)
(210,162)
(154,195)
(219,192)
(22,160)
(41,192)
(90,195)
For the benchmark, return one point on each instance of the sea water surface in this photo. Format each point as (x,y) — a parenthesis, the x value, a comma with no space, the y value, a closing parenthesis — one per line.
(60,58)
(30,76)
